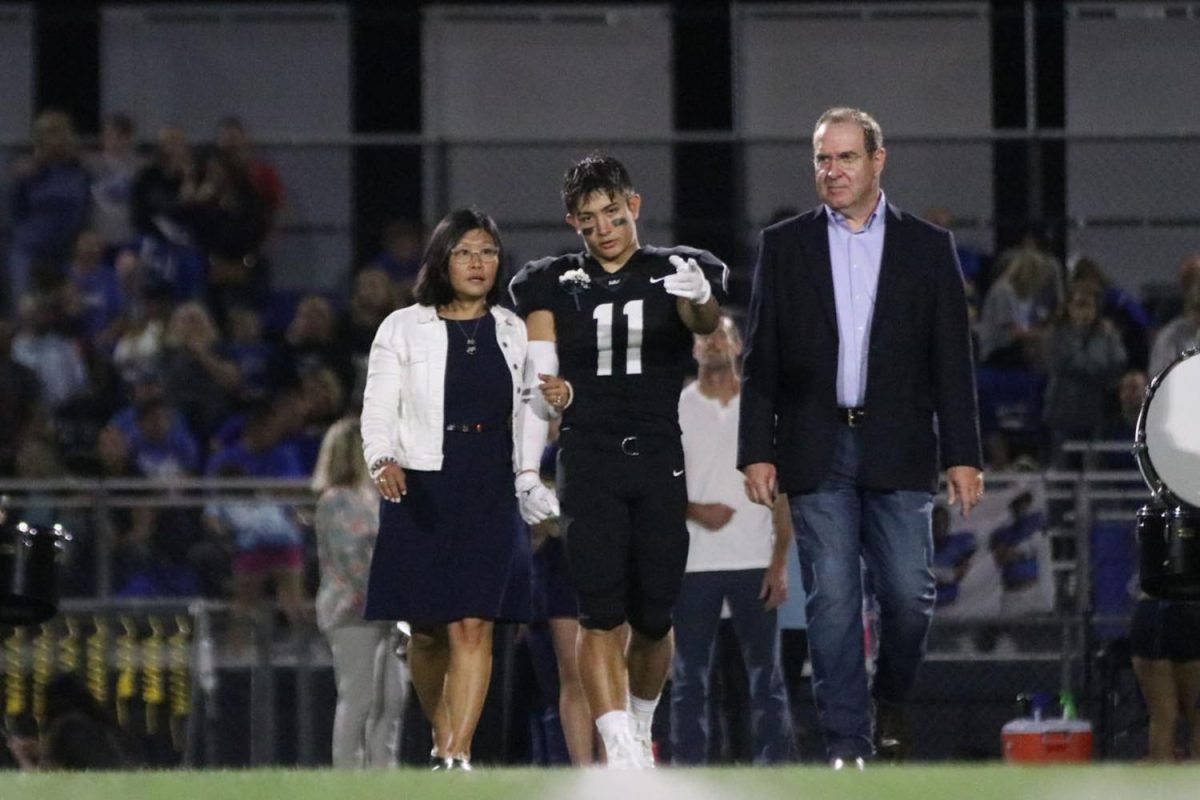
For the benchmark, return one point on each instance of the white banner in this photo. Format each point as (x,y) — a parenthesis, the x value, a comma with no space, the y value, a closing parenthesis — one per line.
(996,562)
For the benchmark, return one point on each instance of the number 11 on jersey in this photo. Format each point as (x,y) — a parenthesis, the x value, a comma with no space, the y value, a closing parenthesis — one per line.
(604,338)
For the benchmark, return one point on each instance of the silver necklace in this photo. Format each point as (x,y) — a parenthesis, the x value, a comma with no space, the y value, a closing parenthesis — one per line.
(469,337)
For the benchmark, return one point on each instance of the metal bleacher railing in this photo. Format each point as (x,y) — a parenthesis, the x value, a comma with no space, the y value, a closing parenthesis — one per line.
(168,665)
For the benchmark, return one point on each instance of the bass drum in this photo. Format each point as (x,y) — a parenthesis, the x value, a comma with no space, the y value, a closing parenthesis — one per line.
(1170,552)
(29,562)
(1167,450)
(1167,439)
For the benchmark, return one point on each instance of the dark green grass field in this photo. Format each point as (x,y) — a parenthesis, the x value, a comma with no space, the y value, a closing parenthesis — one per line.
(992,782)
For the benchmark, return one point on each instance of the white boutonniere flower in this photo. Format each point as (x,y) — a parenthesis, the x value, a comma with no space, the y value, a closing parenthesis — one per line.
(574,281)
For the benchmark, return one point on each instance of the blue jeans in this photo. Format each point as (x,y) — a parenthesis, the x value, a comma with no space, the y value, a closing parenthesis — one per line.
(838,526)
(696,617)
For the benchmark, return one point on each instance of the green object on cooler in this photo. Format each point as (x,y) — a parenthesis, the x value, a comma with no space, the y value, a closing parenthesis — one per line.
(1067,701)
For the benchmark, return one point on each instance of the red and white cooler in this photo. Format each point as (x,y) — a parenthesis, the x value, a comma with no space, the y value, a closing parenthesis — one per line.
(1047,741)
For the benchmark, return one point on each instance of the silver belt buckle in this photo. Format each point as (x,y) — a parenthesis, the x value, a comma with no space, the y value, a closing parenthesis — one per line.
(629,446)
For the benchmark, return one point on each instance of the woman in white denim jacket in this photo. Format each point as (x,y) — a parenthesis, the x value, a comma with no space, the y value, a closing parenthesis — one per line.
(441,422)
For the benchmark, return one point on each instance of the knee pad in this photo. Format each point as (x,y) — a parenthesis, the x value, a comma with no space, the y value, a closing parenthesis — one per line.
(653,622)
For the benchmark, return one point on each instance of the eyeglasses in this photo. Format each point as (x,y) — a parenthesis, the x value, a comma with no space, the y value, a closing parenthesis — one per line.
(487,255)
(847,160)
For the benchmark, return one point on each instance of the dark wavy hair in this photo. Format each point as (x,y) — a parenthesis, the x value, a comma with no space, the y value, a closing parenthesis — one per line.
(595,173)
(433,281)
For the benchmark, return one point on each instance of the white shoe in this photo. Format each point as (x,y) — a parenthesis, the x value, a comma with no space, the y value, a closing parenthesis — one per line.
(643,749)
(622,753)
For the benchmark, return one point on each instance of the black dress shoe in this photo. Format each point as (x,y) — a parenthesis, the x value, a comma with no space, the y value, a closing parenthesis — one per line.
(890,737)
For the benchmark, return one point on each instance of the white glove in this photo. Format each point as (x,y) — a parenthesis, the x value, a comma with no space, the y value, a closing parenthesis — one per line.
(536,500)
(688,281)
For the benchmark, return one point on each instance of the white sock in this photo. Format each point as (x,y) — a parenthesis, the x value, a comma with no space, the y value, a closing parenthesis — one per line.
(641,713)
(612,726)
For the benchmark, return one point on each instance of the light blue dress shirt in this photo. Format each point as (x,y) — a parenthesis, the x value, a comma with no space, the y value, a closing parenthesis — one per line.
(855,257)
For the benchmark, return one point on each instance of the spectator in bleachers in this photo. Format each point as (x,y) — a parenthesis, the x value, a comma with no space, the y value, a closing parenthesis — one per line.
(139,346)
(228,223)
(324,396)
(311,341)
(113,169)
(77,422)
(1121,425)
(42,346)
(1084,357)
(93,292)
(1126,312)
(165,244)
(260,445)
(371,684)
(1016,311)
(130,274)
(323,403)
(160,446)
(157,187)
(253,355)
(49,206)
(268,546)
(21,390)
(400,255)
(199,380)
(1183,331)
(152,547)
(171,433)
(264,178)
(266,536)
(288,407)
(373,297)
(1037,238)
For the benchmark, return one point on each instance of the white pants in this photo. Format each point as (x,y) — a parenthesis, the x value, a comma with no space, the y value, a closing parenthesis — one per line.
(371,685)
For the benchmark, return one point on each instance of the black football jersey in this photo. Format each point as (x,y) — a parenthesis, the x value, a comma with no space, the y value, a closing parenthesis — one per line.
(620,340)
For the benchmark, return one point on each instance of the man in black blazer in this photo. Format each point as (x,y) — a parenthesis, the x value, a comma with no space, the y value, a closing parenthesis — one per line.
(858,381)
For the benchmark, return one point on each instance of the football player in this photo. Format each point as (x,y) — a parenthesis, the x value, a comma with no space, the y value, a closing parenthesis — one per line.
(610,338)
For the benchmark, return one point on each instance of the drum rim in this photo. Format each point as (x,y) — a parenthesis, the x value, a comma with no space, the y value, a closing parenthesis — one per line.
(1159,489)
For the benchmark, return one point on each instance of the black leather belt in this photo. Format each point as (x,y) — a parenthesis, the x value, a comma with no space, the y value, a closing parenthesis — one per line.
(854,416)
(616,443)
(474,427)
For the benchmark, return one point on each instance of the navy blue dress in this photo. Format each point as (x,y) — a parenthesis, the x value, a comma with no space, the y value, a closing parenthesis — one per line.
(455,546)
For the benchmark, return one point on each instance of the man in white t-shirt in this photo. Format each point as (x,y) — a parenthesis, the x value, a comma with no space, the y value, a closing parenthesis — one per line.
(737,556)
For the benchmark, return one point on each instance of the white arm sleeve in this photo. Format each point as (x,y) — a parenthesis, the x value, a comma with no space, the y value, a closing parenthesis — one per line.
(541,357)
